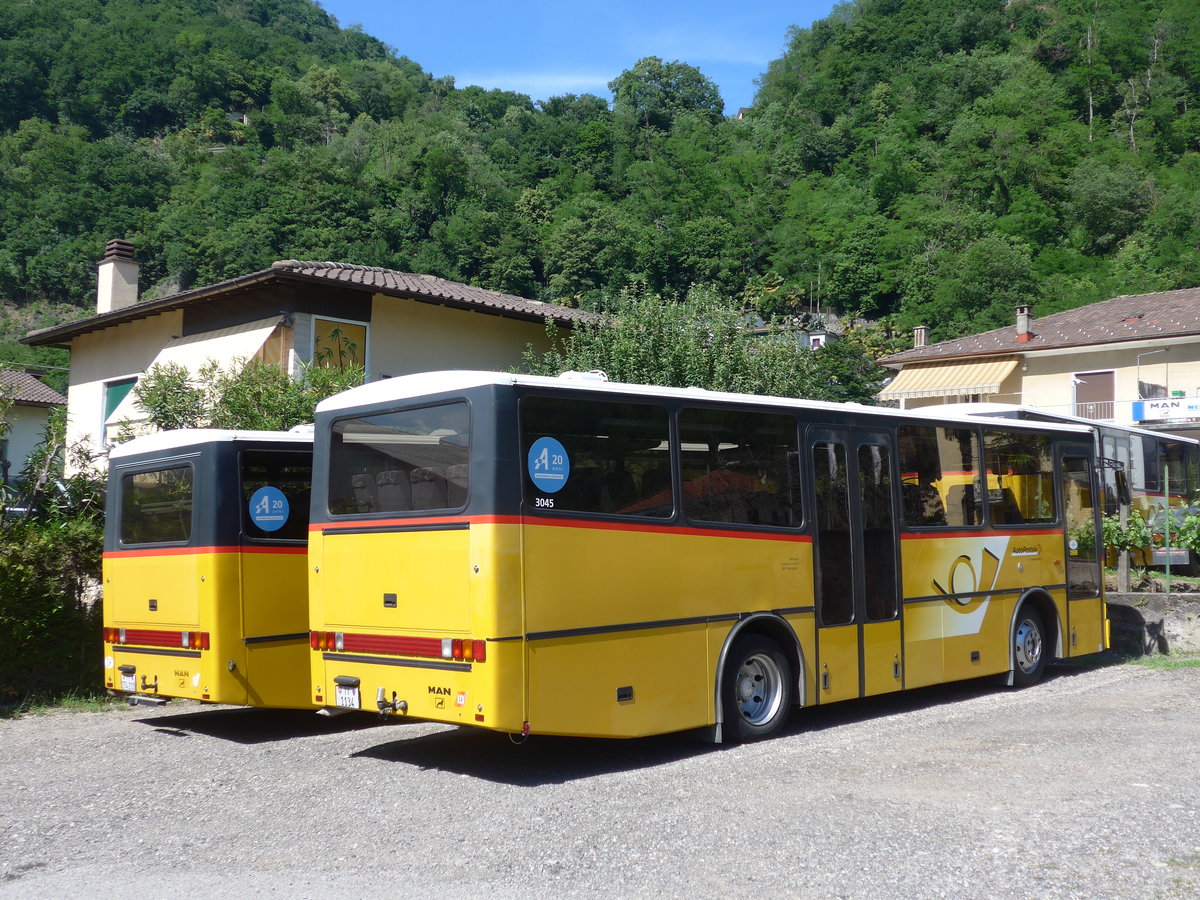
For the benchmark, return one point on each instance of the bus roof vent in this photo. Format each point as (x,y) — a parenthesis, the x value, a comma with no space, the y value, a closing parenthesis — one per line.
(594,375)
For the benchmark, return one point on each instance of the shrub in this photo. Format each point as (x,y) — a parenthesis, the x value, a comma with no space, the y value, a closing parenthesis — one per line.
(51,538)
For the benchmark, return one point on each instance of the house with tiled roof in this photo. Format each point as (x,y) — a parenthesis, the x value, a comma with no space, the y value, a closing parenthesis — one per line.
(1131,360)
(25,405)
(294,314)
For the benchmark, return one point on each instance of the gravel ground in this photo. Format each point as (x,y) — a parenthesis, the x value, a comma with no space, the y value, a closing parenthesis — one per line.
(1083,786)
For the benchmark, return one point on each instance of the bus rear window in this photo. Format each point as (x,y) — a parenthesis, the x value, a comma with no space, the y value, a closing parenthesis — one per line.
(405,461)
(156,506)
(595,456)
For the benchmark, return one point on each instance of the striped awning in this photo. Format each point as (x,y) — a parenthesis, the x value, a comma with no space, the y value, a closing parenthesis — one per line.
(950,378)
(238,343)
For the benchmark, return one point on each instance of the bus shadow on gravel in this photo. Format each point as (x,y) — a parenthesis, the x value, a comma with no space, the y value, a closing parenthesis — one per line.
(538,760)
(542,760)
(258,726)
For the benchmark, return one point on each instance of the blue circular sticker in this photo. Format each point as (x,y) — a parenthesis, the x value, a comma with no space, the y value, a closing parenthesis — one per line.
(548,464)
(269,508)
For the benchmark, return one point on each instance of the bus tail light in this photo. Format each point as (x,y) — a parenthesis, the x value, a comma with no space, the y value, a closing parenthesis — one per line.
(464,649)
(189,640)
(326,640)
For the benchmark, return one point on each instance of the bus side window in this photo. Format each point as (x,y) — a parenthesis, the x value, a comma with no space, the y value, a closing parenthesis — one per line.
(1021,469)
(290,473)
(939,476)
(739,467)
(616,456)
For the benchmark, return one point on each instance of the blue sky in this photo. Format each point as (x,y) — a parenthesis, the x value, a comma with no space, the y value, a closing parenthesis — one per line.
(545,49)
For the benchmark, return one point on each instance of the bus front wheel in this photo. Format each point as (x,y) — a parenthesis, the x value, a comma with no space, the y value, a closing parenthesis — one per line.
(756,690)
(1029,647)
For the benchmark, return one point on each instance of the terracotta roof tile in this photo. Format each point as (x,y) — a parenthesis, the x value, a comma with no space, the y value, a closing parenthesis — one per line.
(425,288)
(26,389)
(1131,317)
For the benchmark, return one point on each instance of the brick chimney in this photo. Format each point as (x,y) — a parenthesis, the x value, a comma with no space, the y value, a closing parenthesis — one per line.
(920,336)
(1024,323)
(117,277)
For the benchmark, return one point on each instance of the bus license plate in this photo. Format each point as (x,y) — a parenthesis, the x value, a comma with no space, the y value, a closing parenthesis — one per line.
(346,696)
(128,681)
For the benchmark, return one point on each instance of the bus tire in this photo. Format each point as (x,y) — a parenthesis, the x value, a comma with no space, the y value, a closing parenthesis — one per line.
(756,689)
(1028,647)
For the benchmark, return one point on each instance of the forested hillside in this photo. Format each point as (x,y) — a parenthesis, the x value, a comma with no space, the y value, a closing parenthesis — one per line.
(920,161)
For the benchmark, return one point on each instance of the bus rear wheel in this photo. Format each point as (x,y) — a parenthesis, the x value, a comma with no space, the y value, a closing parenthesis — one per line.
(1029,647)
(756,689)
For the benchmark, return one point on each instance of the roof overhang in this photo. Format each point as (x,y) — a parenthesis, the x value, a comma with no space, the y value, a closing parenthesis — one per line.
(946,379)
(281,274)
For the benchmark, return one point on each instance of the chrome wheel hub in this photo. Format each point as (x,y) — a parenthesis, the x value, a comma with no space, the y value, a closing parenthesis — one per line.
(1027,646)
(759,689)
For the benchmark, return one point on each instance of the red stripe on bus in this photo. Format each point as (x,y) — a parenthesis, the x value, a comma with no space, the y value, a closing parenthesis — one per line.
(196,551)
(554,522)
(671,529)
(976,533)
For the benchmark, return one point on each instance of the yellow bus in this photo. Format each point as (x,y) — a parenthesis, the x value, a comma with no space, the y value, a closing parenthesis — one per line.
(205,568)
(1150,471)
(570,556)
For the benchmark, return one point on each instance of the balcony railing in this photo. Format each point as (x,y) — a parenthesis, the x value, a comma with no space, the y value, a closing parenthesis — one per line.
(1099,411)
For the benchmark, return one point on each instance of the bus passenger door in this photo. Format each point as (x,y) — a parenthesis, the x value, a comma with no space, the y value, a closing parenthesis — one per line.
(856,576)
(1085,608)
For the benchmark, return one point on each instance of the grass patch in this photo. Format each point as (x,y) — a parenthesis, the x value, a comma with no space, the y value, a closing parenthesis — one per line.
(1187,661)
(71,703)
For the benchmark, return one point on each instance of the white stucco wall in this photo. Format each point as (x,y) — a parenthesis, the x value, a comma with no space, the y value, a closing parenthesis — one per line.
(123,351)
(408,336)
(1047,384)
(26,424)
(1047,380)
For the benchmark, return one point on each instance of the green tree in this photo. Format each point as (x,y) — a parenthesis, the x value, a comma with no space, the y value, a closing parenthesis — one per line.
(654,92)
(258,396)
(49,575)
(703,342)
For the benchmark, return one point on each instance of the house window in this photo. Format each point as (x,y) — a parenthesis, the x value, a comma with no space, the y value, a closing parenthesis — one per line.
(339,343)
(114,393)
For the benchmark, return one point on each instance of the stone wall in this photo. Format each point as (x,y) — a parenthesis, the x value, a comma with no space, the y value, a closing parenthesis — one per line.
(1154,623)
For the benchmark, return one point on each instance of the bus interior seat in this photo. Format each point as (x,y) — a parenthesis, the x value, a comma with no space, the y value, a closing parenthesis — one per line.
(620,490)
(428,488)
(922,504)
(366,498)
(583,489)
(1004,507)
(456,485)
(394,487)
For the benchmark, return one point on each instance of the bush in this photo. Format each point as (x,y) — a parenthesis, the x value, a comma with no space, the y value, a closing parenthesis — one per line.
(51,541)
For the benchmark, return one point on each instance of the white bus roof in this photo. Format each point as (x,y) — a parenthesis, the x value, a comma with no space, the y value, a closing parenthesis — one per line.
(189,437)
(994,410)
(404,387)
